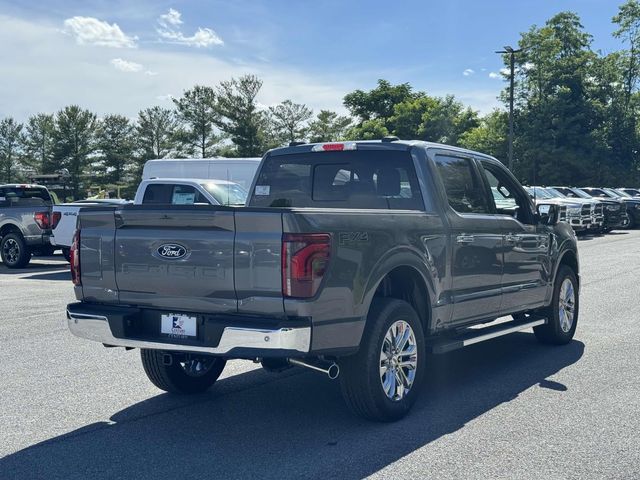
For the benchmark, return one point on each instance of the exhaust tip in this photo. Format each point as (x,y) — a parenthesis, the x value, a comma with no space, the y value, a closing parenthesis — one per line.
(333,371)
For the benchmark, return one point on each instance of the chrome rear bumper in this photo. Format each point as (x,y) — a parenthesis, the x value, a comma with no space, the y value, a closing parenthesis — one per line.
(240,339)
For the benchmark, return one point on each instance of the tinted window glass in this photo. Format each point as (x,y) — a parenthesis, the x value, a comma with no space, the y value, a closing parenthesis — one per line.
(17,197)
(509,199)
(465,192)
(163,194)
(353,179)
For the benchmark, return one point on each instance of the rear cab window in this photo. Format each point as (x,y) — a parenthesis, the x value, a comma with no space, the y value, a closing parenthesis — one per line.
(24,196)
(358,179)
(172,194)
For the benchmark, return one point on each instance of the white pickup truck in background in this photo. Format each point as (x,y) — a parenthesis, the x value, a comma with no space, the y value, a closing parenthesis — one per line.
(63,220)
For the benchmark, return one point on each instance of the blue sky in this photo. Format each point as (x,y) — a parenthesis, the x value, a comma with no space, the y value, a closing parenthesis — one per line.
(121,56)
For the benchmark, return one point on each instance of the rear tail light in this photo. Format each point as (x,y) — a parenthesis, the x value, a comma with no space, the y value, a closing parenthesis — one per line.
(305,258)
(43,220)
(55,219)
(74,259)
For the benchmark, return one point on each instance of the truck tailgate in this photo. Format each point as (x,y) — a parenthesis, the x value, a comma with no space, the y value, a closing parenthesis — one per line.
(198,259)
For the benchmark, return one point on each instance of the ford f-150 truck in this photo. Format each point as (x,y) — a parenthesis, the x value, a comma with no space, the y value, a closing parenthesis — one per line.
(355,259)
(25,223)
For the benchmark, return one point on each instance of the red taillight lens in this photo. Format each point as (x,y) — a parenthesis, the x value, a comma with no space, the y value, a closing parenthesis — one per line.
(305,258)
(74,259)
(43,220)
(55,219)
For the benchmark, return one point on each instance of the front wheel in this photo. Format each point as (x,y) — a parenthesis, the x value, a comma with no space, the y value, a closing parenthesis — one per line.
(14,251)
(382,381)
(181,372)
(562,314)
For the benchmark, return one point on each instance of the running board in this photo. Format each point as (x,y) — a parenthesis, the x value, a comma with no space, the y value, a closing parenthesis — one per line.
(477,335)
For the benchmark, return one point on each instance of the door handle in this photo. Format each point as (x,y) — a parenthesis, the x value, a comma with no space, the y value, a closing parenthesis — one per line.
(464,239)
(511,239)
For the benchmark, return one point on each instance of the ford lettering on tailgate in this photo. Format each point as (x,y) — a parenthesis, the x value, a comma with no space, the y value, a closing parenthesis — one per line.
(172,251)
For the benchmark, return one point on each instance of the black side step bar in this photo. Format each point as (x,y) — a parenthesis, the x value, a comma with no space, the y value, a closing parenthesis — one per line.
(470,336)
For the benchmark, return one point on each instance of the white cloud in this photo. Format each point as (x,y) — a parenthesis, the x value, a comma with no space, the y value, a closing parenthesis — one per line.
(468,72)
(505,71)
(494,75)
(91,31)
(172,17)
(125,66)
(169,30)
(150,73)
(165,98)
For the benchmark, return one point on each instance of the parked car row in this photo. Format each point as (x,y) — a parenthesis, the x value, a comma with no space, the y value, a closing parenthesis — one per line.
(589,209)
(32,221)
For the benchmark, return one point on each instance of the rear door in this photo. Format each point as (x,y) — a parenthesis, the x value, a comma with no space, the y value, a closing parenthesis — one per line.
(176,257)
(476,239)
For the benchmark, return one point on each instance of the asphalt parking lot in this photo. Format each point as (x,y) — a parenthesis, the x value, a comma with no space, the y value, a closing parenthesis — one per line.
(509,408)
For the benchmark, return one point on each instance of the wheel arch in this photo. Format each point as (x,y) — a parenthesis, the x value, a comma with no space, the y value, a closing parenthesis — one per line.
(404,277)
(10,227)
(569,258)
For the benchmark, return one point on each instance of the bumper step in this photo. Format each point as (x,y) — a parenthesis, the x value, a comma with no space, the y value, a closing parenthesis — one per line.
(471,336)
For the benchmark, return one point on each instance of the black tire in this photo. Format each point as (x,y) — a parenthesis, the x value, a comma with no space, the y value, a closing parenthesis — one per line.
(173,377)
(632,222)
(553,332)
(14,251)
(66,253)
(360,378)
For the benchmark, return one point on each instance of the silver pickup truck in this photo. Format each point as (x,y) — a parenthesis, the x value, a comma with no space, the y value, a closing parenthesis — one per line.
(354,259)
(25,223)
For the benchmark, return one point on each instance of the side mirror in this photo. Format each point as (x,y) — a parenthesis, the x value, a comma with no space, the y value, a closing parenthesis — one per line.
(548,214)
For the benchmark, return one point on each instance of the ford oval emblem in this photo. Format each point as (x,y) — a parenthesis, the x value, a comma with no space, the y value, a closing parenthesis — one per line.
(172,251)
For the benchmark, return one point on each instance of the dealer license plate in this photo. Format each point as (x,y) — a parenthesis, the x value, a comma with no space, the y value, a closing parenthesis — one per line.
(178,326)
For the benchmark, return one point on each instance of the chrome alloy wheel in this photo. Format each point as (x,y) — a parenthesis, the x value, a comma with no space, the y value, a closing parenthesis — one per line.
(398,360)
(197,366)
(11,251)
(566,305)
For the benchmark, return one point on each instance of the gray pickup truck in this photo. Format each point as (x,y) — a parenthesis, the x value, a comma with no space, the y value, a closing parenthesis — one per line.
(25,223)
(356,259)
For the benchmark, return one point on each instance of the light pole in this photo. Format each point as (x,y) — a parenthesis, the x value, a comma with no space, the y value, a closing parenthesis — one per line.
(512,65)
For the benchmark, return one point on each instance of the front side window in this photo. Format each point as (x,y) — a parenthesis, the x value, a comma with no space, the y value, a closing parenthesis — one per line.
(509,199)
(465,191)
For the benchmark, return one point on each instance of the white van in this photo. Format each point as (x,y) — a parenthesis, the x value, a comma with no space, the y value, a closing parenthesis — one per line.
(237,170)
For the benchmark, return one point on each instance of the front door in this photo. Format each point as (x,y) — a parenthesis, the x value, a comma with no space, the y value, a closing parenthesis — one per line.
(525,246)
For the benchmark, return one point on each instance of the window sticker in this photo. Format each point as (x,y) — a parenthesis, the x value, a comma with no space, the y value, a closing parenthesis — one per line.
(263,189)
(180,198)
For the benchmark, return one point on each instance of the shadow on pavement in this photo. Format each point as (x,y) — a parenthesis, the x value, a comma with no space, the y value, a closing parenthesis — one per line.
(57,275)
(263,425)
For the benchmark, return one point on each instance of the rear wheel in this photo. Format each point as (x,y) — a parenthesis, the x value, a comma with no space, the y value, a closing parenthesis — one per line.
(14,251)
(181,372)
(382,381)
(562,314)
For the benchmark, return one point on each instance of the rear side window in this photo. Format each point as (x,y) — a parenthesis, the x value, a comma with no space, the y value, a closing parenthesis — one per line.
(361,179)
(23,197)
(169,194)
(465,191)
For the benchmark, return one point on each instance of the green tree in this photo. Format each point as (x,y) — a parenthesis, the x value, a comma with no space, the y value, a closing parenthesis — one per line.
(373,129)
(490,136)
(290,121)
(196,111)
(628,22)
(39,142)
(155,131)
(116,143)
(10,147)
(378,102)
(74,143)
(239,116)
(328,126)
